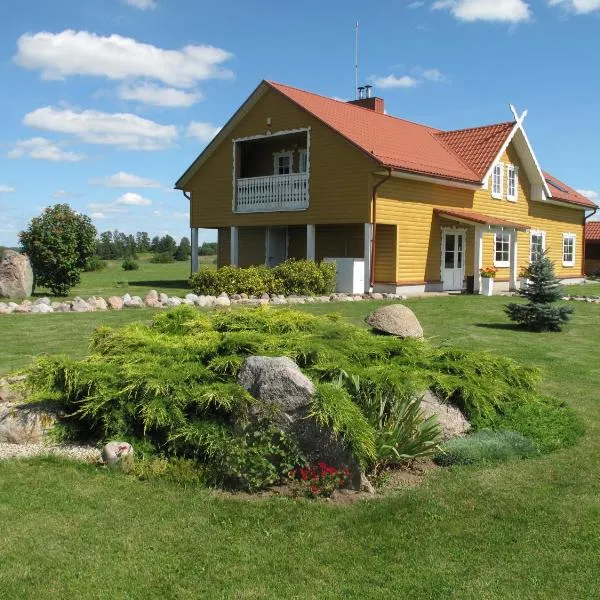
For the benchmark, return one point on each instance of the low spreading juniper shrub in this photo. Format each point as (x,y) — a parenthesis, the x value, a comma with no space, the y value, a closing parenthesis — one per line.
(173,384)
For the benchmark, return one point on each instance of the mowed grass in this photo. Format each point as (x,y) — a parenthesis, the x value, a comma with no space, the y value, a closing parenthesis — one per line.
(522,530)
(170,278)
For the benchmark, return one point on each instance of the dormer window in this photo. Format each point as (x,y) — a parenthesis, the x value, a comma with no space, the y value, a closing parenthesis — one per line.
(497,180)
(282,163)
(511,183)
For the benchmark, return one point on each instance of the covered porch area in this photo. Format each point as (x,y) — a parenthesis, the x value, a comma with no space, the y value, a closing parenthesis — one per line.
(494,243)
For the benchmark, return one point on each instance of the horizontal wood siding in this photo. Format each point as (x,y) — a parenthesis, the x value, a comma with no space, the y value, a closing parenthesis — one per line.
(339,241)
(339,182)
(386,253)
(251,250)
(223,247)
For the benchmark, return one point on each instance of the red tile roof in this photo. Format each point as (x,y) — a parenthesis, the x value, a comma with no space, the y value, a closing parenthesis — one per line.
(592,230)
(393,142)
(462,155)
(477,146)
(479,218)
(561,191)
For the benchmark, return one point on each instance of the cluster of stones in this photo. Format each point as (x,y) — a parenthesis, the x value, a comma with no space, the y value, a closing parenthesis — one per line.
(155,300)
(590,299)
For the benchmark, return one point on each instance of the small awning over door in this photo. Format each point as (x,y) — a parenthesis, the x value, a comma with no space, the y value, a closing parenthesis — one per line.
(475,218)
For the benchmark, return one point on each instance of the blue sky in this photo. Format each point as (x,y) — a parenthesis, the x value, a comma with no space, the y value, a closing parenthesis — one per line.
(105,103)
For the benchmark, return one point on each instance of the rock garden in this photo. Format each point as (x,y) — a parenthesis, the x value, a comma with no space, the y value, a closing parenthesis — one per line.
(250,399)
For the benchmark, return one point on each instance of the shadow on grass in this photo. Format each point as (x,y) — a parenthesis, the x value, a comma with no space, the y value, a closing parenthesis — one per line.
(161,284)
(503,326)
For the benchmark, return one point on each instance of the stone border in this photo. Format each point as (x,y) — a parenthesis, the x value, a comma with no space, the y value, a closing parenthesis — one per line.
(154,299)
(590,299)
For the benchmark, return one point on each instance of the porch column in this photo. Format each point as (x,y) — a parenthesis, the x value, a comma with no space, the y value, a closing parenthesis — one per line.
(310,242)
(514,260)
(367,255)
(194,249)
(234,248)
(477,259)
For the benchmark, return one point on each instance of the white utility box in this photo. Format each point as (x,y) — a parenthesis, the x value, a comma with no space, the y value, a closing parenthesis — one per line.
(350,275)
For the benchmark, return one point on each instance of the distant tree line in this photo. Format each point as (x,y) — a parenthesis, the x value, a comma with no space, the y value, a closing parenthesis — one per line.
(116,245)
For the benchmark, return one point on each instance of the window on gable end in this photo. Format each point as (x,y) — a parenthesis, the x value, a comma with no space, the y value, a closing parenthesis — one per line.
(512,183)
(497,173)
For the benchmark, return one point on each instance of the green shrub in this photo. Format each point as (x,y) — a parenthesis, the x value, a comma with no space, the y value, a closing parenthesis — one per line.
(94,263)
(171,386)
(162,258)
(485,447)
(130,264)
(302,277)
(175,470)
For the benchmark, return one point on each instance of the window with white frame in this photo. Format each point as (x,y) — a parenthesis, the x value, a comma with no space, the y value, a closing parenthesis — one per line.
(282,163)
(502,249)
(568,249)
(302,161)
(537,245)
(497,172)
(512,185)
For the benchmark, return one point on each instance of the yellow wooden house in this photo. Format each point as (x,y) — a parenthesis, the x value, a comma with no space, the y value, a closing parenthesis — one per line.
(296,174)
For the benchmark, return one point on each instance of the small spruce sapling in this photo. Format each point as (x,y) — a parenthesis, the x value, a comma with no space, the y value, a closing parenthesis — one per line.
(542,289)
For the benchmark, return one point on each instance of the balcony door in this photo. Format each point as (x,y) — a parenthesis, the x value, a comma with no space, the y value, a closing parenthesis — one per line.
(453,259)
(276,245)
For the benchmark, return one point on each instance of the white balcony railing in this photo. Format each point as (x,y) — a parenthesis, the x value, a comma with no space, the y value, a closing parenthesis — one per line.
(272,193)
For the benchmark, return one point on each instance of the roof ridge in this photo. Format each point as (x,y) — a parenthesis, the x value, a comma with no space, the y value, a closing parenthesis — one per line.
(477,127)
(349,103)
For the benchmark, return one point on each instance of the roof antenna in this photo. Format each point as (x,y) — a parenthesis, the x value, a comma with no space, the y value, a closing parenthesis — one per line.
(356,60)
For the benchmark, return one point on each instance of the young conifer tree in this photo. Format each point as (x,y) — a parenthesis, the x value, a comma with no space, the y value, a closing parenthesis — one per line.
(542,289)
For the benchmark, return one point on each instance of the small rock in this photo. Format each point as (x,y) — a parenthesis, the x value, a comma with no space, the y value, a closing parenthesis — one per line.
(244,296)
(223,295)
(136,302)
(276,301)
(63,307)
(396,319)
(41,308)
(265,296)
(222,301)
(23,308)
(376,296)
(450,418)
(201,301)
(163,298)
(80,306)
(42,301)
(191,297)
(117,453)
(174,301)
(188,302)
(115,303)
(152,298)
(210,300)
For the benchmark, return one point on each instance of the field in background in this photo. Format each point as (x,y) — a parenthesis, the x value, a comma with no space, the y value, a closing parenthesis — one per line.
(114,281)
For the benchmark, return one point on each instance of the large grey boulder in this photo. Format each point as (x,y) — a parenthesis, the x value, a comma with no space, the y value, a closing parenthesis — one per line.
(25,423)
(396,319)
(286,394)
(449,417)
(16,275)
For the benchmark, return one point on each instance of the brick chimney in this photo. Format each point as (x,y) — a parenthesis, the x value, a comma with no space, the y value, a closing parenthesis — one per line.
(366,100)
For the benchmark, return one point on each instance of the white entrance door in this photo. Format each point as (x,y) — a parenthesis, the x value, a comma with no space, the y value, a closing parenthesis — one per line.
(276,245)
(453,260)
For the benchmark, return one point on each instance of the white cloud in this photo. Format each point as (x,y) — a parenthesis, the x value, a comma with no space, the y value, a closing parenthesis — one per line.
(60,55)
(434,75)
(133,199)
(202,131)
(141,4)
(591,194)
(416,4)
(391,81)
(43,149)
(6,189)
(95,127)
(63,195)
(511,11)
(156,95)
(580,7)
(98,215)
(125,180)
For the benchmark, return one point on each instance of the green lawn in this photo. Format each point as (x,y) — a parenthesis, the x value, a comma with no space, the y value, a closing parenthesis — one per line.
(114,281)
(523,530)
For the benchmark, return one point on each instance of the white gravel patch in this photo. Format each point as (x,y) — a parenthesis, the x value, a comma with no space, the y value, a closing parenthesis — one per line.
(82,453)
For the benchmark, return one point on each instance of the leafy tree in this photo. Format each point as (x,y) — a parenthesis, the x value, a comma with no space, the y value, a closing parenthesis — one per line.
(105,247)
(59,244)
(154,244)
(542,289)
(142,241)
(183,250)
(208,249)
(167,244)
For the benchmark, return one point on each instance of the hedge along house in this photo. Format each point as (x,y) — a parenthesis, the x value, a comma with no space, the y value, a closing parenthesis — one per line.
(295,174)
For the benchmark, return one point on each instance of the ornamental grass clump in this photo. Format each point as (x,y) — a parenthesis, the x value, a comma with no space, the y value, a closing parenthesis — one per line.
(543,290)
(170,387)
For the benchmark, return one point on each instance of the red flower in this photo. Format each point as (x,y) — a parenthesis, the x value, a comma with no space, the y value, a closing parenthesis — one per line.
(314,489)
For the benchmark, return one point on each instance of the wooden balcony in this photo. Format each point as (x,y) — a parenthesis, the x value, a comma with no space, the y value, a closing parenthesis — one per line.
(272,193)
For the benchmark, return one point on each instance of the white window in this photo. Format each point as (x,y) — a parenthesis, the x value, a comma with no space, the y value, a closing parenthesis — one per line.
(537,245)
(282,163)
(302,161)
(512,182)
(502,249)
(497,176)
(568,249)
